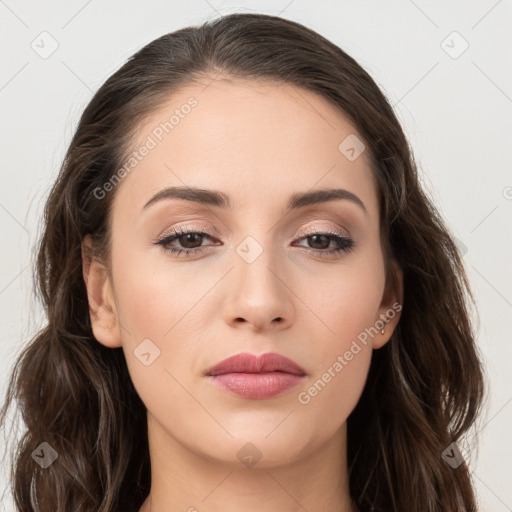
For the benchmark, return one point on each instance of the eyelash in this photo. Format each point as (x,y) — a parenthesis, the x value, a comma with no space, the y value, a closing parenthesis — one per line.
(346,243)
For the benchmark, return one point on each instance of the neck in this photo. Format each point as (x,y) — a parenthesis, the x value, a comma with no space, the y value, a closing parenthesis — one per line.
(183,480)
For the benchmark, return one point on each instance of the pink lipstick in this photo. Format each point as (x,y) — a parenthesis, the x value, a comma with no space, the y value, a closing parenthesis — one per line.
(256,377)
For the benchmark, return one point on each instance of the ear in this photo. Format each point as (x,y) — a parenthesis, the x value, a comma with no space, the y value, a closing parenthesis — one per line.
(390,308)
(104,321)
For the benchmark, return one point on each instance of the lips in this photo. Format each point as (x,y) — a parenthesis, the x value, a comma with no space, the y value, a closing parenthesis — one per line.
(249,363)
(256,377)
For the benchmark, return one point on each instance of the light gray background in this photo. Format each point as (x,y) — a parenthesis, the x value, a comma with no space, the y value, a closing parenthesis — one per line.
(455,108)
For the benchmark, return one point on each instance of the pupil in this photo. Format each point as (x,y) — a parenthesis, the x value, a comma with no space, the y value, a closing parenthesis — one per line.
(189,239)
(316,239)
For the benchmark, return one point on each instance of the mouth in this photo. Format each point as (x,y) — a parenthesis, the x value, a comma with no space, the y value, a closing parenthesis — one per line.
(256,377)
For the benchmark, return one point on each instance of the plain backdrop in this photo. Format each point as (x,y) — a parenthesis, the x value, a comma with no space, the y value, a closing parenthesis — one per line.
(445,66)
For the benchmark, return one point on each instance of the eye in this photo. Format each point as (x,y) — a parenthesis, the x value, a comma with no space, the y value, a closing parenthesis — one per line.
(189,239)
(191,242)
(319,243)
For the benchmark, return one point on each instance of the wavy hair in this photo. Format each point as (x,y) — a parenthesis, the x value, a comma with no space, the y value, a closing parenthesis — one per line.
(425,387)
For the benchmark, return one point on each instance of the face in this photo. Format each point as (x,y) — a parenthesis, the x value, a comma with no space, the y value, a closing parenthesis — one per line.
(261,269)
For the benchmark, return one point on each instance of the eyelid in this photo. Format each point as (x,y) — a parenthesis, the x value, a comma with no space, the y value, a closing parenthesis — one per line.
(209,230)
(312,230)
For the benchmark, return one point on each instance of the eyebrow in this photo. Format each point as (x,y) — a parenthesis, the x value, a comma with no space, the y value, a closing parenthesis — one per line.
(221,200)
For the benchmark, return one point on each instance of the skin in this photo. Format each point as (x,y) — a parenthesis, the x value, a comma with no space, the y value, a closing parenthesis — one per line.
(258,142)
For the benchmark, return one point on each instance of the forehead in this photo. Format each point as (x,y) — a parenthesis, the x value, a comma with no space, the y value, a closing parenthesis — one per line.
(255,140)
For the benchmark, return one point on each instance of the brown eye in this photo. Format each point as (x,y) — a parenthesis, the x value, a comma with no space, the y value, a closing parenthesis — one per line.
(319,243)
(190,240)
(182,241)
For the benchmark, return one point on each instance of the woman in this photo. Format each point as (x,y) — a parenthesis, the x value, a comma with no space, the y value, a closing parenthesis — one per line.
(252,304)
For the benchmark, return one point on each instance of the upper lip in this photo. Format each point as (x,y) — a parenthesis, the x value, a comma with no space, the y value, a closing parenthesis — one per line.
(251,363)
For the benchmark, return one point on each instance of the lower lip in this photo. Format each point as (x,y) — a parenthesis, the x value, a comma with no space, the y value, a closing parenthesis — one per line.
(257,386)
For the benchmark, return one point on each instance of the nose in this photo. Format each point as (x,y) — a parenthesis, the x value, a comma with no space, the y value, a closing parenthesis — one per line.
(259,296)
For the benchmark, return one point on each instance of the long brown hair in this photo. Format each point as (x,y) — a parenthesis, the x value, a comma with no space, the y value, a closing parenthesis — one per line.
(425,386)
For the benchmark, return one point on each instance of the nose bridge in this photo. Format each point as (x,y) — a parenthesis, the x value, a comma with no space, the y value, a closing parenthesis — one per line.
(258,293)
(256,267)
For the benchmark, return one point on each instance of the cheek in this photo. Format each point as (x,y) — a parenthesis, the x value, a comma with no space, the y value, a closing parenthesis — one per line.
(340,379)
(330,396)
(342,304)
(342,356)
(347,307)
(152,294)
(154,307)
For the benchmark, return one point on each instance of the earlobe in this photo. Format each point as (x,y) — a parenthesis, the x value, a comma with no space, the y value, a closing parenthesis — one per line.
(390,309)
(102,311)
